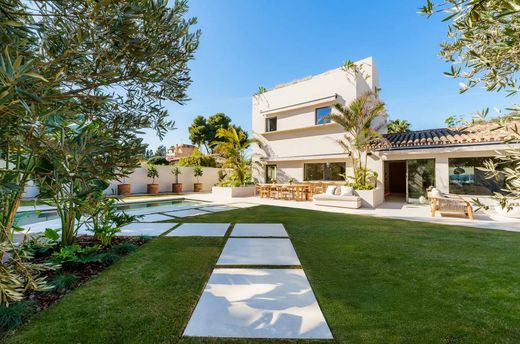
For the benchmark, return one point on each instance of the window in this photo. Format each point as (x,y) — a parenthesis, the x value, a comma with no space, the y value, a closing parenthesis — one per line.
(324,171)
(467,179)
(270,174)
(270,124)
(321,113)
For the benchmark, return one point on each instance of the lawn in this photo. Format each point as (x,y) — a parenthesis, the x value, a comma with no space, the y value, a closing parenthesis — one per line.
(377,280)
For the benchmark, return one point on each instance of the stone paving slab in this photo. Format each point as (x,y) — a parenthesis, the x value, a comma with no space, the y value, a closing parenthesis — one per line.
(259,230)
(243,205)
(153,218)
(216,208)
(258,303)
(258,251)
(187,213)
(200,229)
(148,229)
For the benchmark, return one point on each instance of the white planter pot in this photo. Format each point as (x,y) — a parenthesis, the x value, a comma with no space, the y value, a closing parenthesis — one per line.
(371,198)
(233,191)
(513,213)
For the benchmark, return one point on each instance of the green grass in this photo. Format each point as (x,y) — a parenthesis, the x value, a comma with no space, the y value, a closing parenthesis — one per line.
(377,281)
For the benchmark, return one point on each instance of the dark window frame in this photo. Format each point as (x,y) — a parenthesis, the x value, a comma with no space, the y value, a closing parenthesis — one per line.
(325,170)
(316,115)
(269,129)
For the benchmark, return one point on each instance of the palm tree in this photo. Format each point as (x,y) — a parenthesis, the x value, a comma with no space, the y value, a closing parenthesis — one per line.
(232,145)
(358,121)
(398,126)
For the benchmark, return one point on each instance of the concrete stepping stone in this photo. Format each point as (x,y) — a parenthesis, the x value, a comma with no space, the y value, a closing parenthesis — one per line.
(259,230)
(187,213)
(153,218)
(258,251)
(200,229)
(148,229)
(258,303)
(217,208)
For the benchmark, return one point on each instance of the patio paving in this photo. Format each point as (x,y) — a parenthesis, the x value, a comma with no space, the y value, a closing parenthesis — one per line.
(258,303)
(187,213)
(200,229)
(258,251)
(154,218)
(148,229)
(259,230)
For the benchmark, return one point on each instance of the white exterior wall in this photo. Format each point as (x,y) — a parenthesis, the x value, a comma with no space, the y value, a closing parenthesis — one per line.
(298,139)
(139,180)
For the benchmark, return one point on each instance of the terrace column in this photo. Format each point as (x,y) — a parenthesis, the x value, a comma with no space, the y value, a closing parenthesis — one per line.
(442,174)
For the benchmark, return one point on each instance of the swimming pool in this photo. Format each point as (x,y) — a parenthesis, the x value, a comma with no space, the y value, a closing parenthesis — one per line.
(34,216)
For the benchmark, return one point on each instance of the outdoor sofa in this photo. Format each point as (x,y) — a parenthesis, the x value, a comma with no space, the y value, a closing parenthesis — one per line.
(338,197)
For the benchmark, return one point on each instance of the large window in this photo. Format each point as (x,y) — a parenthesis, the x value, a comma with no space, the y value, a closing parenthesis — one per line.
(324,171)
(321,113)
(270,124)
(467,179)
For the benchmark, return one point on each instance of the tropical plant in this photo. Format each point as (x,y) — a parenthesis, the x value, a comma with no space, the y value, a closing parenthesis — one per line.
(198,172)
(176,171)
(358,119)
(152,172)
(106,218)
(398,126)
(232,146)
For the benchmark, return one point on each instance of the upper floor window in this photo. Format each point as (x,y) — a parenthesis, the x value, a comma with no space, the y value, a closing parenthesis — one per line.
(270,124)
(321,113)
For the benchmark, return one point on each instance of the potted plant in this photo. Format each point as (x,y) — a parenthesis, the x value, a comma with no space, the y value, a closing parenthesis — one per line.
(176,187)
(152,172)
(197,172)
(124,189)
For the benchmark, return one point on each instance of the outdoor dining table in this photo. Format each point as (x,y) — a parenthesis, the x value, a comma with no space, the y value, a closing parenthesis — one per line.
(299,192)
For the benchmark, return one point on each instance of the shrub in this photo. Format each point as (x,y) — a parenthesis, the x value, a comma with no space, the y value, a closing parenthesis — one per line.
(198,159)
(124,248)
(64,281)
(15,314)
(158,160)
(75,255)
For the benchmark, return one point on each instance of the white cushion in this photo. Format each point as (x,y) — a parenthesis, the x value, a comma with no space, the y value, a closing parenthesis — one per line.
(330,190)
(436,193)
(346,190)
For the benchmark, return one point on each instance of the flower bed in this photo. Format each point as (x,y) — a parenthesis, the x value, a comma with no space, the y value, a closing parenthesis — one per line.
(68,277)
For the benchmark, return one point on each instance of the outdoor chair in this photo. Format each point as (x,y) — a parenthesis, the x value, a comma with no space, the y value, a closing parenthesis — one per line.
(451,206)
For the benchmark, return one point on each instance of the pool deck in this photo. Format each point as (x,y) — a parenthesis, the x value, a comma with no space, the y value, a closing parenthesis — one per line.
(389,209)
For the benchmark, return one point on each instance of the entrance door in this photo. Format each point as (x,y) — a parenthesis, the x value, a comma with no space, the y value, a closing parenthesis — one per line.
(420,175)
(397,178)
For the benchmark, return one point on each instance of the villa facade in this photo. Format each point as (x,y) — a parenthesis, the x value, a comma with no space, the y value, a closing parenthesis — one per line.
(297,143)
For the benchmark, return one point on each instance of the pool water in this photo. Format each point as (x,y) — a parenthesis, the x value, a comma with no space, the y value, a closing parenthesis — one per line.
(33,216)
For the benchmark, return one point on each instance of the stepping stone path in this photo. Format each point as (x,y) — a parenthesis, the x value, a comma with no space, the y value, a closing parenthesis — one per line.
(258,251)
(148,229)
(187,213)
(259,230)
(154,218)
(200,229)
(258,302)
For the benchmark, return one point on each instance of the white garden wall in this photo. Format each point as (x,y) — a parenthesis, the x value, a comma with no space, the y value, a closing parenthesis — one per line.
(139,180)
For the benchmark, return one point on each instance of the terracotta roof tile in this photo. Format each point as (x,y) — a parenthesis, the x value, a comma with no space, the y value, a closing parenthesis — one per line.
(478,133)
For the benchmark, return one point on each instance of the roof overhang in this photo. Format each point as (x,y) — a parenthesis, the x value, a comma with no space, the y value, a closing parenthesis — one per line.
(314,102)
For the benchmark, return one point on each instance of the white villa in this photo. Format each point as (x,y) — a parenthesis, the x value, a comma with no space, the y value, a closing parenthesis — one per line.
(297,144)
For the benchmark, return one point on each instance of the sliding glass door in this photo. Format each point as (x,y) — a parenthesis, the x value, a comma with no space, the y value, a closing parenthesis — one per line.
(420,175)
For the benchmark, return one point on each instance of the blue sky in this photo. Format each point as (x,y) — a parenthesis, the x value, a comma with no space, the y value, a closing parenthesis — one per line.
(248,43)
